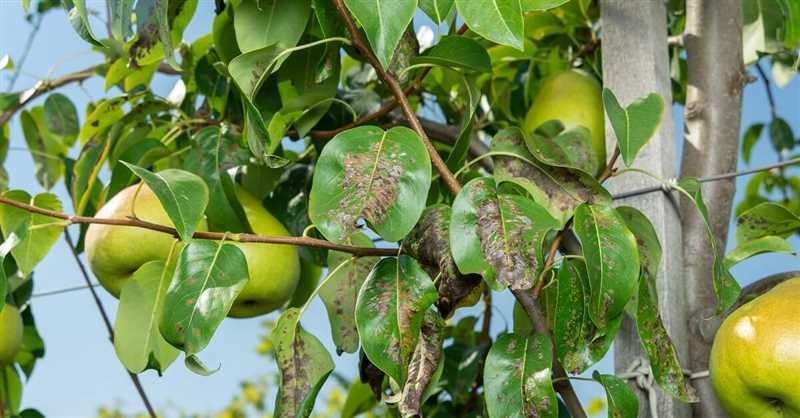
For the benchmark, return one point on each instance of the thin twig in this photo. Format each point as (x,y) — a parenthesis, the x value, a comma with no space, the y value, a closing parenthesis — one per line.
(218,236)
(107,321)
(397,91)
(767,88)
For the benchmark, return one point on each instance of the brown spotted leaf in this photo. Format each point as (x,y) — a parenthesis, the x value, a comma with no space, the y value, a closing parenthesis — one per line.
(568,148)
(340,291)
(389,312)
(367,173)
(558,189)
(208,278)
(499,236)
(429,243)
(516,377)
(304,366)
(424,364)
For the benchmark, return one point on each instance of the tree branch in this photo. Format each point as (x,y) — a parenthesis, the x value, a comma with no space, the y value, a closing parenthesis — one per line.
(107,321)
(217,236)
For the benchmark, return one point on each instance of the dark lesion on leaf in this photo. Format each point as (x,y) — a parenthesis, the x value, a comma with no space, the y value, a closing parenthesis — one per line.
(429,244)
(371,375)
(504,243)
(424,362)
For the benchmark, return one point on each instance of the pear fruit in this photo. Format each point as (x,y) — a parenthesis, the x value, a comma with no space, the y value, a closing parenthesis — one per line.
(575,98)
(755,359)
(116,252)
(10,334)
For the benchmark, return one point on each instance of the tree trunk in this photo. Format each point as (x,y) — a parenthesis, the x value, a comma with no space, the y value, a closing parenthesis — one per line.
(713,41)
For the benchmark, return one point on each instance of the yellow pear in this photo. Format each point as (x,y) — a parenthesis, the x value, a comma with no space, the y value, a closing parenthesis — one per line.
(574,98)
(115,252)
(755,359)
(10,334)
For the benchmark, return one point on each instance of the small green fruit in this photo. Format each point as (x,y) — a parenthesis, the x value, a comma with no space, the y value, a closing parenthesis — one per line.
(10,334)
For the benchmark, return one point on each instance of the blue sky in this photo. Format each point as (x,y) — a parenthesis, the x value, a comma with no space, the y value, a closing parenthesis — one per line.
(80,370)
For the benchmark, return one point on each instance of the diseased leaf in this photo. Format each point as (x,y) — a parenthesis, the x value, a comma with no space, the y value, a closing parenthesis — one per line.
(207,280)
(262,23)
(725,286)
(340,291)
(622,402)
(565,304)
(768,244)
(517,379)
(252,68)
(437,10)
(384,22)
(61,116)
(497,235)
(457,52)
(499,21)
(389,313)
(423,365)
(559,190)
(106,113)
(36,233)
(304,365)
(380,176)
(766,219)
(572,148)
(612,260)
(137,341)
(183,195)
(429,244)
(635,124)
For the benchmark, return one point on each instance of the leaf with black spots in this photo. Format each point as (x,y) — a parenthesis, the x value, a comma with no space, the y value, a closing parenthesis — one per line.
(499,236)
(424,364)
(565,304)
(340,291)
(556,146)
(304,366)
(208,278)
(389,312)
(622,402)
(558,189)
(36,233)
(766,219)
(612,260)
(183,195)
(366,172)
(768,244)
(516,377)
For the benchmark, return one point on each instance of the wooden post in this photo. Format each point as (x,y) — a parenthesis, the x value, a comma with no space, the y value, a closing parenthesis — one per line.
(635,63)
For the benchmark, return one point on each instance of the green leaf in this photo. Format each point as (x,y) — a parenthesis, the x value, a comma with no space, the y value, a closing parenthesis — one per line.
(264,23)
(61,116)
(424,364)
(517,379)
(534,5)
(121,11)
(106,113)
(622,402)
(499,21)
(32,348)
(359,399)
(612,259)
(767,244)
(183,195)
(366,172)
(37,233)
(572,148)
(460,149)
(437,10)
(210,147)
(781,135)
(656,342)
(765,220)
(10,388)
(751,137)
(725,285)
(255,132)
(565,303)
(340,291)
(207,280)
(384,22)
(79,19)
(635,124)
(389,312)
(304,365)
(559,190)
(140,151)
(45,151)
(457,52)
(762,28)
(251,69)
(85,182)
(3,280)
(497,235)
(137,341)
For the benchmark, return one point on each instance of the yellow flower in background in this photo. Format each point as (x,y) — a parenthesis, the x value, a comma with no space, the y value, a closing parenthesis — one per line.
(596,406)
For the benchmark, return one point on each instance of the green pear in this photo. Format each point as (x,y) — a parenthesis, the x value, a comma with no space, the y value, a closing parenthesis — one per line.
(755,359)
(10,334)
(575,98)
(115,252)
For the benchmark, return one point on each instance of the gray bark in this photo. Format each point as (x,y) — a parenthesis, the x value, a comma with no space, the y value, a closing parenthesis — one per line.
(713,41)
(635,63)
